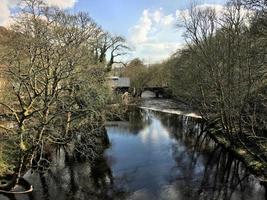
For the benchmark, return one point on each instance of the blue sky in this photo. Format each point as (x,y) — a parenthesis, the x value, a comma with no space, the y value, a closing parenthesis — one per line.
(118,16)
(148,25)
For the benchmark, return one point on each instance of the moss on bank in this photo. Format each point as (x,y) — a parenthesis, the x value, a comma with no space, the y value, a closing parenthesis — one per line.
(7,159)
(255,165)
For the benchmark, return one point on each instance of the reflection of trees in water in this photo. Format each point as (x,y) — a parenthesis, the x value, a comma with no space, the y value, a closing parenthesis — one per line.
(223,175)
(138,120)
(133,122)
(206,170)
(89,145)
(77,180)
(44,185)
(72,175)
(188,130)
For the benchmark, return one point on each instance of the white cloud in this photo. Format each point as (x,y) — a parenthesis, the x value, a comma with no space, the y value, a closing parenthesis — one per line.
(217,7)
(154,37)
(141,30)
(157,15)
(183,14)
(220,10)
(62,3)
(7,5)
(168,20)
(158,51)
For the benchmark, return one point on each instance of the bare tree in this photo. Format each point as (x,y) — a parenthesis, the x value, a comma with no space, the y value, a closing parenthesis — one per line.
(46,53)
(115,46)
(223,68)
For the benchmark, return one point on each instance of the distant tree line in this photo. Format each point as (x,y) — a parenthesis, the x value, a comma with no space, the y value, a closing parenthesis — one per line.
(143,75)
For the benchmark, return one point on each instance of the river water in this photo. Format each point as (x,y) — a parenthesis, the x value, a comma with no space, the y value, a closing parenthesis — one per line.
(152,155)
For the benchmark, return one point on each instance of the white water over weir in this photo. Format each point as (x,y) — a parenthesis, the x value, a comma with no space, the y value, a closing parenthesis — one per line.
(168,106)
(171,111)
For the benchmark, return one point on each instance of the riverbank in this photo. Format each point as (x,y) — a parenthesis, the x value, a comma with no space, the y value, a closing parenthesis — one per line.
(237,146)
(251,160)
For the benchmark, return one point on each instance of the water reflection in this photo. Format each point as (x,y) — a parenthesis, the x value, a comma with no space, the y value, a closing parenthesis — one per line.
(72,180)
(152,155)
(207,170)
(173,158)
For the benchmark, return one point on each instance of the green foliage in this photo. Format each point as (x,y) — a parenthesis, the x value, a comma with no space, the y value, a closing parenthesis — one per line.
(9,154)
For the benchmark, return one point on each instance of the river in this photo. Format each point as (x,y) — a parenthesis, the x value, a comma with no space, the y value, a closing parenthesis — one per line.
(158,153)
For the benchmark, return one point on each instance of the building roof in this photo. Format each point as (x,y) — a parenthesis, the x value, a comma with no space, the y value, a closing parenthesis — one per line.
(119,81)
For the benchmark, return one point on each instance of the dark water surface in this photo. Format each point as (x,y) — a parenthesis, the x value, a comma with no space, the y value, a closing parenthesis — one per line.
(153,155)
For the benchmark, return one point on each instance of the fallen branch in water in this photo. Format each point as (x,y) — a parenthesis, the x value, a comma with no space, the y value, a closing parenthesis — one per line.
(17,192)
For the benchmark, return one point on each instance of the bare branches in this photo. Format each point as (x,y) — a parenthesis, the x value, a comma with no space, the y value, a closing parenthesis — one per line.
(54,87)
(223,70)
(114,45)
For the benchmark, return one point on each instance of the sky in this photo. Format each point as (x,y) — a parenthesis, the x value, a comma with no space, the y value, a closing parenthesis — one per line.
(148,25)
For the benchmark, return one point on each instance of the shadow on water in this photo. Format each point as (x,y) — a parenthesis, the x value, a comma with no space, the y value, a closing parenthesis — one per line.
(173,158)
(222,176)
(70,179)
(152,155)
